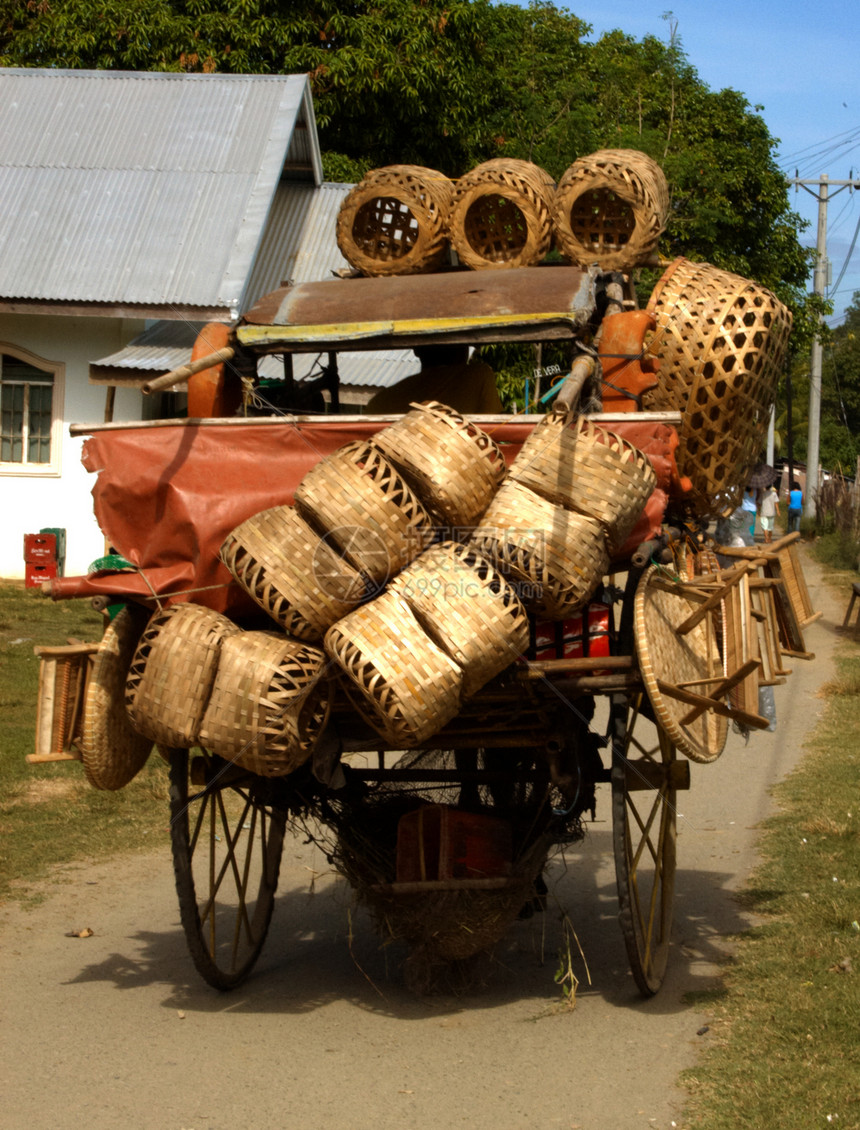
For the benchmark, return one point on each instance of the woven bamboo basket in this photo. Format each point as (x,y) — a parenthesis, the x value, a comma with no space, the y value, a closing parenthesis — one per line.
(468,609)
(113,753)
(455,467)
(395,221)
(721,341)
(554,557)
(172,672)
(610,208)
(583,467)
(501,214)
(398,679)
(368,510)
(269,703)
(671,658)
(292,573)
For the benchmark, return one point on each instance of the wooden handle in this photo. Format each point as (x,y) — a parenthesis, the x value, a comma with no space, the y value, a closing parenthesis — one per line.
(185,371)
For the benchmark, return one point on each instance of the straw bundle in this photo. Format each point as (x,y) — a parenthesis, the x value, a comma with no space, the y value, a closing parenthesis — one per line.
(369,511)
(555,556)
(721,340)
(394,222)
(292,573)
(172,672)
(455,467)
(583,467)
(610,208)
(269,703)
(468,609)
(399,681)
(501,214)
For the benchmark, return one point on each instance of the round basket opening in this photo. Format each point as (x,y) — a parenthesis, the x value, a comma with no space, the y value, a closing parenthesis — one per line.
(601,221)
(385,228)
(494,227)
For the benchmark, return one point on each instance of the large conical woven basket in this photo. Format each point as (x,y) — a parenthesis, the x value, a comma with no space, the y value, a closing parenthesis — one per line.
(455,467)
(555,557)
(112,751)
(468,608)
(584,467)
(172,673)
(721,340)
(397,678)
(501,215)
(292,573)
(394,222)
(269,703)
(610,208)
(368,510)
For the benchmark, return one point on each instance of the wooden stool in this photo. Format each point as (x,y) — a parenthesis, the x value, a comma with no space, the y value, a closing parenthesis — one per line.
(855,592)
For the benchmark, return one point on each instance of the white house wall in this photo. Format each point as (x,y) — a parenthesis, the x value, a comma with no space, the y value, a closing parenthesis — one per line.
(33,502)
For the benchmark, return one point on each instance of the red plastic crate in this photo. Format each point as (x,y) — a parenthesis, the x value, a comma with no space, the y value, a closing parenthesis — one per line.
(439,842)
(37,572)
(39,548)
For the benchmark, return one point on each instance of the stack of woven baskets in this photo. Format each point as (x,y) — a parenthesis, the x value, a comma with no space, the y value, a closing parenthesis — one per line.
(403,573)
(609,208)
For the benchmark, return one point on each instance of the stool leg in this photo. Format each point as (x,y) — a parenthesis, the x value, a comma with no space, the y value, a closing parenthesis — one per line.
(848,613)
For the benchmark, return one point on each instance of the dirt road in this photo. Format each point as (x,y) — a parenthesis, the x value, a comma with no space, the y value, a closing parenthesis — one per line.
(117,1030)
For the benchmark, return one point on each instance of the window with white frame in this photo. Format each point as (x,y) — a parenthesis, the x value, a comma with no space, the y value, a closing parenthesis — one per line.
(30,412)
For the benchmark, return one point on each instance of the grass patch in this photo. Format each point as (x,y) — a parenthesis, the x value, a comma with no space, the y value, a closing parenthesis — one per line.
(837,548)
(49,814)
(785,1051)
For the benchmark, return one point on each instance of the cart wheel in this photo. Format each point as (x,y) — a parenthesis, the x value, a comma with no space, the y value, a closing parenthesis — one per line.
(227,833)
(644,775)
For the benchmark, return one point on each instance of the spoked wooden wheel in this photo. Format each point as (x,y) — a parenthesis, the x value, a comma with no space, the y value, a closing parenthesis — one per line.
(227,833)
(645,777)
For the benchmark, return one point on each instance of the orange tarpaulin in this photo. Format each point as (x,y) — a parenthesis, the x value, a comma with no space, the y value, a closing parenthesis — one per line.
(166,496)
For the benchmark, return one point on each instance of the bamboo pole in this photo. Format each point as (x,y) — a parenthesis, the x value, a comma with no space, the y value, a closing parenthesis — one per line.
(175,376)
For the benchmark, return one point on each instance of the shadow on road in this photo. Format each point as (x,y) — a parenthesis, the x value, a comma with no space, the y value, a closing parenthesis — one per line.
(321,948)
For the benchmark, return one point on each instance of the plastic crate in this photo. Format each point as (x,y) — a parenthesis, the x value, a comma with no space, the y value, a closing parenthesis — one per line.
(39,548)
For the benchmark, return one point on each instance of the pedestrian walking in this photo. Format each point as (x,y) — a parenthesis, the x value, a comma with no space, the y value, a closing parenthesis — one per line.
(769,512)
(795,506)
(749,507)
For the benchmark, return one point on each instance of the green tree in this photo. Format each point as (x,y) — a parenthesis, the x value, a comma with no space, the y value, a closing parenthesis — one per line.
(449,83)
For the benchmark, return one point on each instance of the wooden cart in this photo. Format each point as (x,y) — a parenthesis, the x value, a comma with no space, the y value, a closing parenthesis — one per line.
(529,749)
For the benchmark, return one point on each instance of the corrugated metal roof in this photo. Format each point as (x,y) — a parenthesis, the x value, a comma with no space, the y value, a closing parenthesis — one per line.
(299,242)
(143,188)
(167,345)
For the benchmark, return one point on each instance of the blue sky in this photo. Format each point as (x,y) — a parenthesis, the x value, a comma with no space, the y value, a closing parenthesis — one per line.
(801,62)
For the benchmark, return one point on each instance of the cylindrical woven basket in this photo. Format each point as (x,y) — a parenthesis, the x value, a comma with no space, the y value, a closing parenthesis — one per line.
(501,214)
(292,573)
(610,208)
(367,508)
(583,467)
(468,608)
(455,467)
(555,557)
(394,222)
(172,672)
(269,703)
(401,683)
(112,751)
(721,340)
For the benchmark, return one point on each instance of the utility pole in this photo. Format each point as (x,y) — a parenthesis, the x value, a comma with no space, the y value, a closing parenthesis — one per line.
(819,283)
